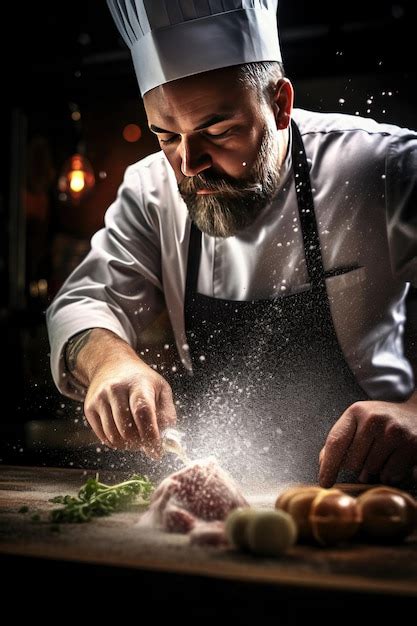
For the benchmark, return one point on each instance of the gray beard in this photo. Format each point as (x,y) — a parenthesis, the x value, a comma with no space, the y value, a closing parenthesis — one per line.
(237,202)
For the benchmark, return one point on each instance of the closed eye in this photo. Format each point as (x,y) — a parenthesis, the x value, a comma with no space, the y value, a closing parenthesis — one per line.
(207,134)
(170,140)
(215,135)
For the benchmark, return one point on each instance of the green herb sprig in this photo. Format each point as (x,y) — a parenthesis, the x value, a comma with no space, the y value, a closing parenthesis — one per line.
(95,499)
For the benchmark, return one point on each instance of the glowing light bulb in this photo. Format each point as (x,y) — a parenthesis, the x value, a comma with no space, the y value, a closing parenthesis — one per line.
(77,182)
(77,178)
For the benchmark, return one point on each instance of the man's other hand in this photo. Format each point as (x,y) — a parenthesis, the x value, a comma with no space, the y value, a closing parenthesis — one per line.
(372,438)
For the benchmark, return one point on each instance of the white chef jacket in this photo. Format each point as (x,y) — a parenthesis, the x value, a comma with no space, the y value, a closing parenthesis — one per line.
(364,181)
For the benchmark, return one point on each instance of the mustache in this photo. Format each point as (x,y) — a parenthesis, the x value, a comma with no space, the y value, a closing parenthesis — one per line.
(220,184)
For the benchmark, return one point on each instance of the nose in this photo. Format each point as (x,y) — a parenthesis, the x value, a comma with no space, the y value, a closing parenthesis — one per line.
(194,159)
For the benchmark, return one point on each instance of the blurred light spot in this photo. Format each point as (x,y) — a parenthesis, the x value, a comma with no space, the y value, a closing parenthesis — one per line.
(38,288)
(132,133)
(42,286)
(77,177)
(77,182)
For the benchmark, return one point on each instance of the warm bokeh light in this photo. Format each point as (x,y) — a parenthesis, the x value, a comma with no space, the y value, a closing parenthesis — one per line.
(132,133)
(77,178)
(77,181)
(38,288)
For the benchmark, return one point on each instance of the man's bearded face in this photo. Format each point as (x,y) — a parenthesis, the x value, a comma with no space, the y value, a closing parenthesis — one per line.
(236,203)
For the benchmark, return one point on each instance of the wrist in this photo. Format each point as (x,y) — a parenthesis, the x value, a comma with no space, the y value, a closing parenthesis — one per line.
(93,349)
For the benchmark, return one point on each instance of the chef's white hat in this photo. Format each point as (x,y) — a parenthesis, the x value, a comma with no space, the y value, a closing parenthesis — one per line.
(171,39)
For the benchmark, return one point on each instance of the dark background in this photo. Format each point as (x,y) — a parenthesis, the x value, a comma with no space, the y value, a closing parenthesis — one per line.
(67,58)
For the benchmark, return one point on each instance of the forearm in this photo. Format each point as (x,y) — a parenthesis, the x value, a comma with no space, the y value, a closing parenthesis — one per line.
(90,349)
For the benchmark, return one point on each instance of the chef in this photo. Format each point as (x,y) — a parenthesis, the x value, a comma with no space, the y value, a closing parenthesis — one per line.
(282,244)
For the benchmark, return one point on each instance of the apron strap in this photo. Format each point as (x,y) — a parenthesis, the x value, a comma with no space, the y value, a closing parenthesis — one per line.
(312,250)
(193,262)
(305,201)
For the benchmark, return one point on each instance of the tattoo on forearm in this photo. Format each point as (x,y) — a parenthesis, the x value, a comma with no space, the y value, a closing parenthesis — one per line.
(73,348)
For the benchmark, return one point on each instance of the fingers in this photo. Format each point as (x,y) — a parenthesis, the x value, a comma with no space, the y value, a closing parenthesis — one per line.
(125,423)
(390,456)
(153,411)
(379,452)
(94,420)
(109,426)
(167,415)
(337,444)
(371,439)
(362,445)
(143,410)
(129,415)
(399,465)
(110,423)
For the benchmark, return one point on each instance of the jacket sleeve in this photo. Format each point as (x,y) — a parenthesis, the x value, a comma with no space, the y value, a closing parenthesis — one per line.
(401,198)
(117,286)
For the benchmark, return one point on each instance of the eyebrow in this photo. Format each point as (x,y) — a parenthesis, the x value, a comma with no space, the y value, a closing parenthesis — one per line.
(214,119)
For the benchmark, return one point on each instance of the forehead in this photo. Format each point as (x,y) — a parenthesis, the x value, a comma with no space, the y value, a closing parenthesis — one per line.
(194,97)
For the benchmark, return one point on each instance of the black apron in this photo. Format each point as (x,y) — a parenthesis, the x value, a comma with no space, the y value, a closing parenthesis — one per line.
(269,378)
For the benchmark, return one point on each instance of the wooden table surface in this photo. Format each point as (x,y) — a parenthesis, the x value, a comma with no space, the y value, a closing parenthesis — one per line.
(117,541)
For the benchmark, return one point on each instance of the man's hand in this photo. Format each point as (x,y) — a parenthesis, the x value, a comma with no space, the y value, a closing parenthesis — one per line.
(127,403)
(372,438)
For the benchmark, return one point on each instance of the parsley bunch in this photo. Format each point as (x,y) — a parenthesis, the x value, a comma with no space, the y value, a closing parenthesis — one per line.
(96,499)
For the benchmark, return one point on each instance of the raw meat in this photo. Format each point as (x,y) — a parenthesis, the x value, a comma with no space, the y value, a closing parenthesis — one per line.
(201,492)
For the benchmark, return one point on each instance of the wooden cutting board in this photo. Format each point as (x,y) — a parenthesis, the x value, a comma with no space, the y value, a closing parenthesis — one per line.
(117,541)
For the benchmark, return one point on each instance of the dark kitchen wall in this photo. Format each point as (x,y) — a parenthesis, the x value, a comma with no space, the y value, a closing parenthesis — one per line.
(67,61)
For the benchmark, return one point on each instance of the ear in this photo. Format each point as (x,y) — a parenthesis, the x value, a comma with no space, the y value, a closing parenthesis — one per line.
(282,102)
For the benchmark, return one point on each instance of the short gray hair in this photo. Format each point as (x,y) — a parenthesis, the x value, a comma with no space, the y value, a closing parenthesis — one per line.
(261,76)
